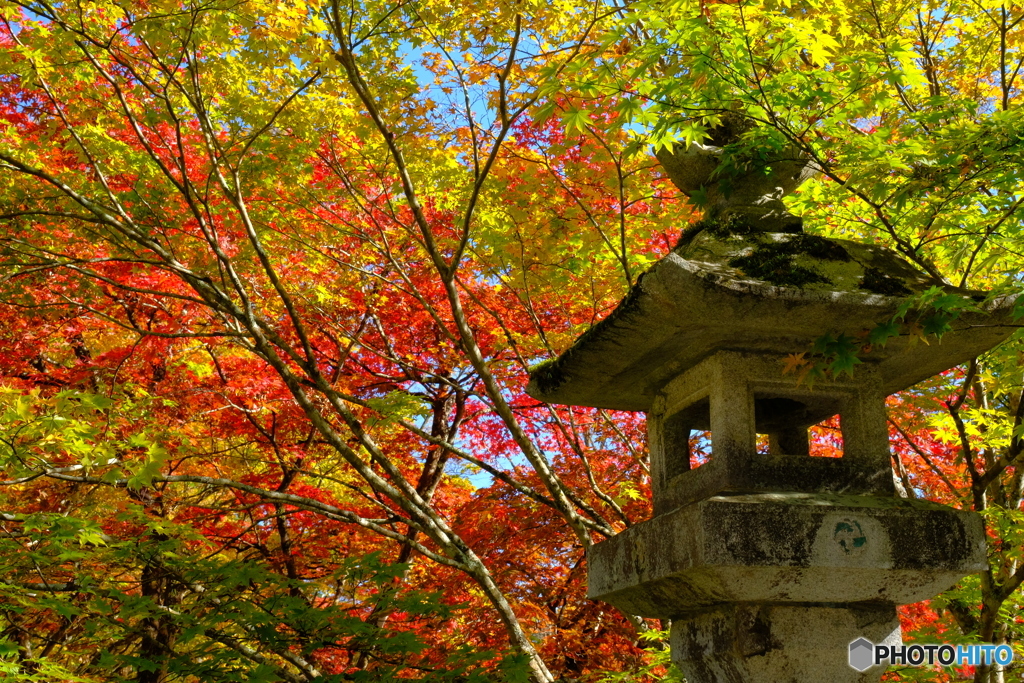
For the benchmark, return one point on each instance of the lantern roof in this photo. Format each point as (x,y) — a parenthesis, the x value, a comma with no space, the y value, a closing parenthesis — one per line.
(730,287)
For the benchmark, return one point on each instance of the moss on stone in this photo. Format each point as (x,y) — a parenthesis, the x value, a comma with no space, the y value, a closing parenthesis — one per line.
(817,247)
(775,266)
(828,499)
(548,375)
(773,261)
(772,258)
(878,282)
(722,228)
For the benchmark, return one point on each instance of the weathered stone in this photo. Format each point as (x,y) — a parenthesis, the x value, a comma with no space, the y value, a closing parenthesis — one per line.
(737,395)
(744,643)
(786,548)
(682,310)
(770,564)
(754,195)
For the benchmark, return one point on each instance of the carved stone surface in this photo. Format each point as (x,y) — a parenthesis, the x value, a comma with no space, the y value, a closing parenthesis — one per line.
(750,643)
(786,548)
(748,187)
(770,562)
(682,310)
(738,395)
(755,195)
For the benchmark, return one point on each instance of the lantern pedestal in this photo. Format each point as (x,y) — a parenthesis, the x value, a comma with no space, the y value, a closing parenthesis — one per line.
(744,642)
(775,586)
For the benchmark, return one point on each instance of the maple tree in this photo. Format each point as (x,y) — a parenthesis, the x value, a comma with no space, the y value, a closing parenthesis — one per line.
(252,338)
(273,274)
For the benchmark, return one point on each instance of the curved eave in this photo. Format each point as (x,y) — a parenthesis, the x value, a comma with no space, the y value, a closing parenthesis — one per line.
(680,312)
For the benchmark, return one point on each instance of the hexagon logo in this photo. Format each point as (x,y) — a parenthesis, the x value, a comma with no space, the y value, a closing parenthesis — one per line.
(862,653)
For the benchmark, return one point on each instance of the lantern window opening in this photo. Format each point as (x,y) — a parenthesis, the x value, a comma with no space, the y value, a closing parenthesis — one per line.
(688,438)
(826,438)
(700,447)
(788,423)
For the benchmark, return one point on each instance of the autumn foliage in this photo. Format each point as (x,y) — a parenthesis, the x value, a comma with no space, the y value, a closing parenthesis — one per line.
(271,279)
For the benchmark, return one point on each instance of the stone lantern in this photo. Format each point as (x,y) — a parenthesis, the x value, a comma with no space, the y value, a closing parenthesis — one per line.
(768,561)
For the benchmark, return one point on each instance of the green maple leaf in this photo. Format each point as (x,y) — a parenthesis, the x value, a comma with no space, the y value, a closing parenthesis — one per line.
(882,333)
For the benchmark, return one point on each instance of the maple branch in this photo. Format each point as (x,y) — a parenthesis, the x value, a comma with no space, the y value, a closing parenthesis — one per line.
(329,511)
(628,443)
(258,658)
(47,587)
(599,524)
(263,334)
(273,117)
(900,91)
(928,461)
(55,214)
(496,473)
(988,233)
(572,439)
(346,57)
(73,265)
(262,345)
(490,469)
(969,457)
(467,104)
(72,130)
(908,487)
(777,122)
(563,497)
(999,465)
(233,193)
(499,139)
(1010,586)
(386,251)
(129,230)
(49,472)
(622,253)
(599,492)
(133,121)
(99,211)
(310,672)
